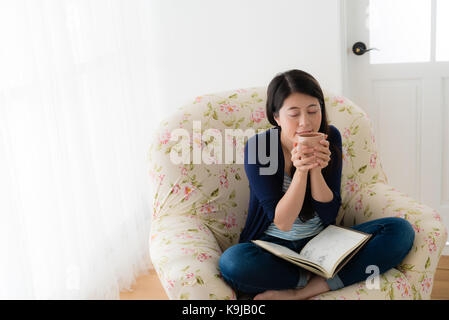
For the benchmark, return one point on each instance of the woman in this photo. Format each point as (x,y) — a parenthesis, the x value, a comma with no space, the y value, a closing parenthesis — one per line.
(299,200)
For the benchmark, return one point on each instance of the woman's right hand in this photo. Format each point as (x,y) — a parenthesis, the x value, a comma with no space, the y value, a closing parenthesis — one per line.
(303,158)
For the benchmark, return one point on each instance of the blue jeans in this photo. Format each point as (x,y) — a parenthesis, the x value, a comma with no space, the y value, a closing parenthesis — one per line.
(248,268)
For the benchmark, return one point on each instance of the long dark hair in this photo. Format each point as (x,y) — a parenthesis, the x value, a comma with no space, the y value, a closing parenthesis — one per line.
(282,86)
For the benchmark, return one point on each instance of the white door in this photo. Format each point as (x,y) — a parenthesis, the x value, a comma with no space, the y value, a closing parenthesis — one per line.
(404,88)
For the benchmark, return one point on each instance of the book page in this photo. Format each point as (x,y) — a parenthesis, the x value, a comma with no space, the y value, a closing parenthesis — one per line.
(327,247)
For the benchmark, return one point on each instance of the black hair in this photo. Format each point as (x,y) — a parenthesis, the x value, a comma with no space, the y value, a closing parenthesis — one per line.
(298,81)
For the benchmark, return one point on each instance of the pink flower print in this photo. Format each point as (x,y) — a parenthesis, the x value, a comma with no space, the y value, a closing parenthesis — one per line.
(398,283)
(406,288)
(198,99)
(240,90)
(358,204)
(436,216)
(345,153)
(203,257)
(230,139)
(156,209)
(183,171)
(164,137)
(187,250)
(188,190)
(175,189)
(431,244)
(184,236)
(426,284)
(339,100)
(228,109)
(207,208)
(257,115)
(416,228)
(224,181)
(204,228)
(403,286)
(372,160)
(352,186)
(230,221)
(190,275)
(346,133)
(373,139)
(359,290)
(171,284)
(161,178)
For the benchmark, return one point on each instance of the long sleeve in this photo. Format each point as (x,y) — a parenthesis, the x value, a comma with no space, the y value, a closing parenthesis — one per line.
(328,211)
(266,188)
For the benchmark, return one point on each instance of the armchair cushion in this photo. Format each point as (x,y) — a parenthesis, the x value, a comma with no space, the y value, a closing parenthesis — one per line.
(186,256)
(380,200)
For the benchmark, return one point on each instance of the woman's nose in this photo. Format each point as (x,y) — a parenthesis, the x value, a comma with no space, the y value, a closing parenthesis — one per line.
(303,119)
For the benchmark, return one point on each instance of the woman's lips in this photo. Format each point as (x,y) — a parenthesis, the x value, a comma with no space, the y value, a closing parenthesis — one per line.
(303,132)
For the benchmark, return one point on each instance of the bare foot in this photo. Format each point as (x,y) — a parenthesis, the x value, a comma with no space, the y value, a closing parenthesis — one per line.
(315,286)
(289,294)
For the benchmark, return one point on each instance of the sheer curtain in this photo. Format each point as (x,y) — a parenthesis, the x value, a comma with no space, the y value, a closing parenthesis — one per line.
(75,127)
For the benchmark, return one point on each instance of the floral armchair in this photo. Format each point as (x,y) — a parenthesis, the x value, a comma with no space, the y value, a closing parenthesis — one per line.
(199,209)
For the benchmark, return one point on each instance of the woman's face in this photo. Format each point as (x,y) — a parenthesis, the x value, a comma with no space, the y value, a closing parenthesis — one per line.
(299,113)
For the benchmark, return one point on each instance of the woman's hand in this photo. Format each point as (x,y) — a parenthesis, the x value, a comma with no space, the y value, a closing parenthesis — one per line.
(323,154)
(305,158)
(302,158)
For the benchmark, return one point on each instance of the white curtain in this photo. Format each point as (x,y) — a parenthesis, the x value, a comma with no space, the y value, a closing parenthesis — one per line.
(75,125)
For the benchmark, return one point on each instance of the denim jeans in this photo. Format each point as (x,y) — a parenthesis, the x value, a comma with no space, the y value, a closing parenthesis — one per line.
(248,268)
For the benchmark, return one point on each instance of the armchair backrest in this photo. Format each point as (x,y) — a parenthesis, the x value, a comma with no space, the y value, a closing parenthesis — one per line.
(214,189)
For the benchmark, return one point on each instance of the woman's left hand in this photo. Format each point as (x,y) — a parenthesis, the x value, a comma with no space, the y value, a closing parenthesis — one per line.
(323,154)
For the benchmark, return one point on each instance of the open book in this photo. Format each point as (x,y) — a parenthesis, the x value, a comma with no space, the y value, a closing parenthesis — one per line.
(326,253)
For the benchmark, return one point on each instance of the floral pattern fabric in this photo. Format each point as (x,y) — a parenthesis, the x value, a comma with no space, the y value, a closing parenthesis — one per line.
(199,209)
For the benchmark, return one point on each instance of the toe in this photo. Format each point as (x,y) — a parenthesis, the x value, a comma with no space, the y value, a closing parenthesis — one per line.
(262,296)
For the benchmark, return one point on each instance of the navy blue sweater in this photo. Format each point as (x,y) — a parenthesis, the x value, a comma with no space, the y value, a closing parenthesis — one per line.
(266,188)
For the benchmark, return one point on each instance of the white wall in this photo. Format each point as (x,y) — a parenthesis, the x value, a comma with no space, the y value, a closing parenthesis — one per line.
(205,46)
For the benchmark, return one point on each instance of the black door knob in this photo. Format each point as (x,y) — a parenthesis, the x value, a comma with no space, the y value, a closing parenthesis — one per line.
(359,48)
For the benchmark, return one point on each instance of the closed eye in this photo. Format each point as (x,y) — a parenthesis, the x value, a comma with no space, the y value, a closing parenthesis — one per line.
(295,115)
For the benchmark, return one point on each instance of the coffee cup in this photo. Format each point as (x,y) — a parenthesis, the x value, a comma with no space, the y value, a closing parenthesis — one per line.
(310,139)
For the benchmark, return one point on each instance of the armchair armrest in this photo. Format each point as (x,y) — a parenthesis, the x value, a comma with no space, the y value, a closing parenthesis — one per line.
(379,200)
(185,255)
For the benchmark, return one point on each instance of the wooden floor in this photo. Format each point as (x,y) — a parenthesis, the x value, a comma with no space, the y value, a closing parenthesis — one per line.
(148,287)
(441,282)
